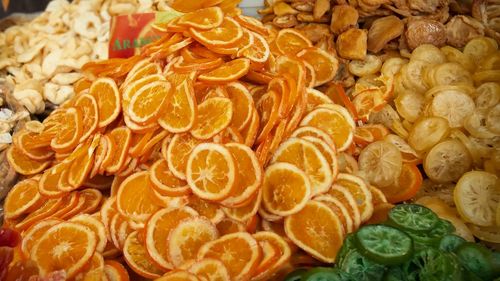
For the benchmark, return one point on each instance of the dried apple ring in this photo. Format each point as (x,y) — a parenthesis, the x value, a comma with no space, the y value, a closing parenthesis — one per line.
(447,161)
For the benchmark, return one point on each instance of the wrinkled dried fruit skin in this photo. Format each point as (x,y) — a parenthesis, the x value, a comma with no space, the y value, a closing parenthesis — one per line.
(282,8)
(320,8)
(425,6)
(343,18)
(382,31)
(285,21)
(306,17)
(303,6)
(352,44)
(425,32)
(461,29)
(488,12)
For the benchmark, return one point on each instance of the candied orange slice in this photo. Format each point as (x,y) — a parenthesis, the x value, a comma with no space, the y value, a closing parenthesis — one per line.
(359,189)
(307,157)
(339,209)
(239,252)
(65,246)
(96,226)
(69,133)
(249,133)
(317,230)
(131,89)
(165,182)
(146,105)
(134,200)
(22,198)
(247,211)
(88,106)
(224,35)
(137,258)
(187,237)
(177,275)
(283,254)
(23,164)
(46,210)
(27,141)
(180,109)
(290,42)
(214,115)
(107,96)
(210,269)
(178,152)
(286,189)
(210,210)
(211,171)
(227,225)
(207,18)
(249,175)
(242,103)
(257,52)
(346,198)
(81,166)
(115,271)
(230,71)
(158,229)
(324,64)
(48,184)
(338,124)
(268,110)
(120,141)
(35,232)
(252,24)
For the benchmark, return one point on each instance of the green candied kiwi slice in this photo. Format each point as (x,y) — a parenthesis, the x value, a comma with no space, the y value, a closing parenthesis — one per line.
(477,259)
(450,242)
(384,244)
(324,274)
(431,264)
(295,275)
(413,217)
(361,268)
(432,238)
(347,246)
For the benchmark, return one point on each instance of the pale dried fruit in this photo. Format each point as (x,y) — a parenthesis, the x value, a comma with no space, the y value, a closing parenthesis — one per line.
(382,31)
(425,31)
(352,44)
(461,29)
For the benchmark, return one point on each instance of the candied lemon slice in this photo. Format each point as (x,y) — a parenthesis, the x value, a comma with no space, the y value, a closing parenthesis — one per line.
(477,195)
(452,105)
(447,161)
(427,132)
(381,163)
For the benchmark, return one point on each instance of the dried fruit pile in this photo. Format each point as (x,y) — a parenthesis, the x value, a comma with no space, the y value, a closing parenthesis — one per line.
(219,159)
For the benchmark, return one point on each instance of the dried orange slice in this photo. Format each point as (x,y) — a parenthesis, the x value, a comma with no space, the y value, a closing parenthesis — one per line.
(96,226)
(187,237)
(115,271)
(146,105)
(140,70)
(23,164)
(70,132)
(137,258)
(46,210)
(108,210)
(21,199)
(211,171)
(307,157)
(252,23)
(158,229)
(214,115)
(177,275)
(207,18)
(93,270)
(286,189)
(317,230)
(338,124)
(378,197)
(107,96)
(81,166)
(359,191)
(207,209)
(134,197)
(178,151)
(230,71)
(119,229)
(239,252)
(245,213)
(227,225)
(315,98)
(249,133)
(224,35)
(283,251)
(249,175)
(268,110)
(327,151)
(34,232)
(180,109)
(324,64)
(120,140)
(69,202)
(66,246)
(257,52)
(131,89)
(165,181)
(308,131)
(26,142)
(339,209)
(93,198)
(210,269)
(242,103)
(90,113)
(345,197)
(290,42)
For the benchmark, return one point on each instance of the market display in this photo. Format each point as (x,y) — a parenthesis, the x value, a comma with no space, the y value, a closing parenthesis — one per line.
(331,141)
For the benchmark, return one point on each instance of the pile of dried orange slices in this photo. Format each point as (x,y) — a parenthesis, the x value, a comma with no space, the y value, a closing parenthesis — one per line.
(207,157)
